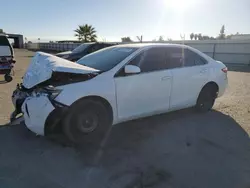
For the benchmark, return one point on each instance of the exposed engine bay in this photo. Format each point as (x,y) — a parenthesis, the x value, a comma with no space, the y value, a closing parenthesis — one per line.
(47,88)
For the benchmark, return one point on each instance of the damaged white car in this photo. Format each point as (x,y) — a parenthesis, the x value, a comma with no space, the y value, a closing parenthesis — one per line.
(114,85)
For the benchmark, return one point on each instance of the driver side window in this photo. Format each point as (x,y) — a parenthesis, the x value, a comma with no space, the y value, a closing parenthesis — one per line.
(137,60)
(153,59)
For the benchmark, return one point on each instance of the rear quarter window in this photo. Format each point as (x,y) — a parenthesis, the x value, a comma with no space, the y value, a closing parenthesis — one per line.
(193,59)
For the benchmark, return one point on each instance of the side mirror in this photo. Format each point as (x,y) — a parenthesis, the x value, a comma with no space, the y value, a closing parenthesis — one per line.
(132,69)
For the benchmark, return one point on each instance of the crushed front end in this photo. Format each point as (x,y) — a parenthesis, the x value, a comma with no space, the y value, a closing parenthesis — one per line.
(38,108)
(34,99)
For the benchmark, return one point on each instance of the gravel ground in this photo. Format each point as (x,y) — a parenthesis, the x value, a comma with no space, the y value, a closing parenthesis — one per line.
(179,149)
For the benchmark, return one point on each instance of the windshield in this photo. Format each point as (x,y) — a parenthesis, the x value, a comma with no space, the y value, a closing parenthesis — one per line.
(107,58)
(80,48)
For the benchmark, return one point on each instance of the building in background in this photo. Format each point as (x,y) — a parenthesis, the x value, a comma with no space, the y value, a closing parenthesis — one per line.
(241,37)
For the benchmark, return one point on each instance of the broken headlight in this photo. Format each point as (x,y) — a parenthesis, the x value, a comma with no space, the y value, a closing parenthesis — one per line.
(52,92)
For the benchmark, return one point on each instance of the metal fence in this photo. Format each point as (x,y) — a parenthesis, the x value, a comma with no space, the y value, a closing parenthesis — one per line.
(227,51)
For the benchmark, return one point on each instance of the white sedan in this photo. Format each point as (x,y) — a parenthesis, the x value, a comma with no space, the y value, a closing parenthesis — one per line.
(114,85)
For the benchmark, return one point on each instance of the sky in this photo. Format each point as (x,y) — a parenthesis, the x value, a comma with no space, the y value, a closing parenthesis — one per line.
(113,19)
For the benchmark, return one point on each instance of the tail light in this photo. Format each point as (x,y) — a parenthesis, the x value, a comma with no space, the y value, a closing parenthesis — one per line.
(8,59)
(224,70)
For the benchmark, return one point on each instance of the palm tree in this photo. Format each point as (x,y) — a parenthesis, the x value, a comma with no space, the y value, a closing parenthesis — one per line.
(86,33)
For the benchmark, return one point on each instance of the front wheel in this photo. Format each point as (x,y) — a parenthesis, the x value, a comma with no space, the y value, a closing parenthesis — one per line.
(87,121)
(206,99)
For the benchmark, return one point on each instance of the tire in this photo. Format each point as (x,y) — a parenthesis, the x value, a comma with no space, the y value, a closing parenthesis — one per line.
(8,78)
(87,121)
(206,99)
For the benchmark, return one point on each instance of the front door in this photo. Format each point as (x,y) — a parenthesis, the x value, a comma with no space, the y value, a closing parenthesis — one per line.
(148,92)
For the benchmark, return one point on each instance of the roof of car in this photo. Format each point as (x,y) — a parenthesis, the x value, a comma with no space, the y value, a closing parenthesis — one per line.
(141,45)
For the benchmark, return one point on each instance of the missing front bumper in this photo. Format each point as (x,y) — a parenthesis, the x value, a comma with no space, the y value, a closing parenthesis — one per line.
(16,120)
(35,111)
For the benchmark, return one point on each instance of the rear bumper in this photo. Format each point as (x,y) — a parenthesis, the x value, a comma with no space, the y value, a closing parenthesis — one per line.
(222,87)
(5,71)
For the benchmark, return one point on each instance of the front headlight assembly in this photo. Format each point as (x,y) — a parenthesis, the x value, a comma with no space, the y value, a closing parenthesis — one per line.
(52,92)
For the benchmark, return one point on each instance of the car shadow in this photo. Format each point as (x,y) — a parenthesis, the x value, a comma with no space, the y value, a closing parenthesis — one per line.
(179,149)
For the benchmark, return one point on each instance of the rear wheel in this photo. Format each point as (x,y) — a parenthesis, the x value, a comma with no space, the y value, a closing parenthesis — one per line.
(206,98)
(87,121)
(8,78)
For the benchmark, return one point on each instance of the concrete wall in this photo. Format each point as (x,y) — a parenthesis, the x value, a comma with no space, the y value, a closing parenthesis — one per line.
(227,51)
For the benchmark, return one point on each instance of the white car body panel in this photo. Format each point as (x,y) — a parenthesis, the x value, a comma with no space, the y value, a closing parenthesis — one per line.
(34,119)
(130,96)
(143,94)
(42,66)
(101,86)
(187,84)
(217,76)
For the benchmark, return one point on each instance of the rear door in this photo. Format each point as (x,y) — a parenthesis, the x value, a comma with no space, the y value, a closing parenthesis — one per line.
(188,78)
(5,47)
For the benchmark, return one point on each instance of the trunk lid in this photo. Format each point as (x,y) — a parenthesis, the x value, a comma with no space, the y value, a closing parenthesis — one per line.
(43,65)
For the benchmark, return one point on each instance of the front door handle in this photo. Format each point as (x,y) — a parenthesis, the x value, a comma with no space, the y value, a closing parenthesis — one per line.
(166,78)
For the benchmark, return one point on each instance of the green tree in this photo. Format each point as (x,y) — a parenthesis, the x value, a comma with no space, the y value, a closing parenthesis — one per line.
(199,36)
(222,33)
(191,36)
(161,39)
(1,31)
(86,33)
(126,39)
(195,36)
(205,37)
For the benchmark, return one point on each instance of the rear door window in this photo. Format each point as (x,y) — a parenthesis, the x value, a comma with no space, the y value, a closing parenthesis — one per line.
(175,57)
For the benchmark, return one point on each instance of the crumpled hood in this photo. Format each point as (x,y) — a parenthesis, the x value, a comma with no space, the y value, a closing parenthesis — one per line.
(43,65)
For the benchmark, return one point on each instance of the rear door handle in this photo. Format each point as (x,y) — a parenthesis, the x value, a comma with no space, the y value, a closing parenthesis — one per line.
(166,78)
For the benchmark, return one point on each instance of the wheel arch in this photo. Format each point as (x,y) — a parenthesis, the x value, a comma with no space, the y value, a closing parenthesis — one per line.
(102,100)
(211,84)
(52,122)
